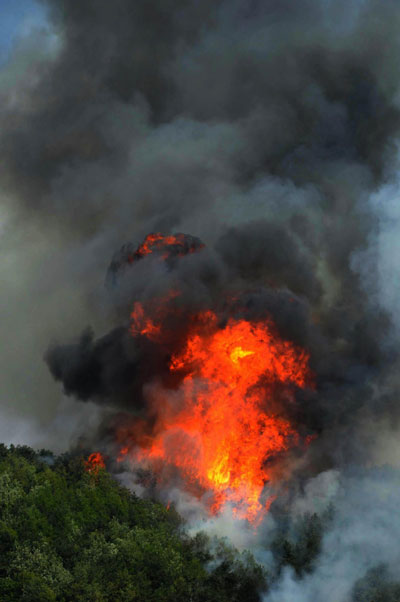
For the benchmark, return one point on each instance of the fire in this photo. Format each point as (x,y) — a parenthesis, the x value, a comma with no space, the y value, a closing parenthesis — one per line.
(142,323)
(163,246)
(167,245)
(221,428)
(238,353)
(157,241)
(94,462)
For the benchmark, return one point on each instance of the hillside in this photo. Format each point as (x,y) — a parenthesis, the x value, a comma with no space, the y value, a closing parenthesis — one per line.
(68,534)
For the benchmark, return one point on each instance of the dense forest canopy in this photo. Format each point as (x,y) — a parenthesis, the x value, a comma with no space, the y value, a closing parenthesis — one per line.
(69,534)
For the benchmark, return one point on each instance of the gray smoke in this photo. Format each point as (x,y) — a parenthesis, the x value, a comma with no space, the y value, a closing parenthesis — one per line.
(267,129)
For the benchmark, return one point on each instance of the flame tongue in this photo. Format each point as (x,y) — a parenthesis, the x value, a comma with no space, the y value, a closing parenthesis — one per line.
(94,462)
(218,430)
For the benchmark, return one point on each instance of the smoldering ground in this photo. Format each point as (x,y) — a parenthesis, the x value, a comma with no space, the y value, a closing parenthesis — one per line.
(269,130)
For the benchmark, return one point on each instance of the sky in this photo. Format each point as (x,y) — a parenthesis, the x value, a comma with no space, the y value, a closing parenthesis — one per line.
(18,18)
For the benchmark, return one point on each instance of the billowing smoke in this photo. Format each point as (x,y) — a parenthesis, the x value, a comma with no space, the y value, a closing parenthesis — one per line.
(267,132)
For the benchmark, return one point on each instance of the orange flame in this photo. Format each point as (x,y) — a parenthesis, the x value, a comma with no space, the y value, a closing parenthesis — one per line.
(173,243)
(94,462)
(141,323)
(222,427)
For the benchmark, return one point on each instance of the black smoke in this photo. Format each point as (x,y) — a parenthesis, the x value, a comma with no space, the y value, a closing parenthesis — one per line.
(261,126)
(259,272)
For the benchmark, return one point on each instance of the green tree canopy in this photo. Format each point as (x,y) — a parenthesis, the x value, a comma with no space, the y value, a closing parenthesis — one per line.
(71,535)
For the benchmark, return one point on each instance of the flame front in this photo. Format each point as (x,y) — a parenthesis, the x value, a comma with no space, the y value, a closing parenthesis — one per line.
(221,427)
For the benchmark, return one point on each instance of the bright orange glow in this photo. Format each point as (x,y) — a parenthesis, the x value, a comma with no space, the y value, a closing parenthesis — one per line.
(157,241)
(221,428)
(167,245)
(94,462)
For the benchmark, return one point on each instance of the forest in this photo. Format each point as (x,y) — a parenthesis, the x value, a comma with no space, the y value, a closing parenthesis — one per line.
(72,534)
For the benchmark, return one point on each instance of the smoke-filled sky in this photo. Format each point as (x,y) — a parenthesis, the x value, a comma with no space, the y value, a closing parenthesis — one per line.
(267,129)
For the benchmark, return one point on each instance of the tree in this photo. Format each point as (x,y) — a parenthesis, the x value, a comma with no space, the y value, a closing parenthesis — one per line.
(71,535)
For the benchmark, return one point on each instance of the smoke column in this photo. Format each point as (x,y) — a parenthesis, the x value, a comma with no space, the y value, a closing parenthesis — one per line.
(267,132)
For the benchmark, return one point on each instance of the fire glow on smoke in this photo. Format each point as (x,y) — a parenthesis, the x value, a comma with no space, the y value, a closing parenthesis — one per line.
(174,244)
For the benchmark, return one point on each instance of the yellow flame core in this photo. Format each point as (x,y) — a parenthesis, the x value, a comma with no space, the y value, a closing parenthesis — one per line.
(219,473)
(238,353)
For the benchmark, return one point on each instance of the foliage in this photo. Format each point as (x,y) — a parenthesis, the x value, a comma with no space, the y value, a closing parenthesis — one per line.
(376,586)
(298,544)
(69,535)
